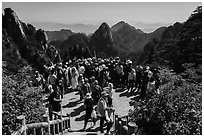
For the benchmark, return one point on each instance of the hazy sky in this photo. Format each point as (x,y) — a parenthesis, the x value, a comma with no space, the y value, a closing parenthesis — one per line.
(96,13)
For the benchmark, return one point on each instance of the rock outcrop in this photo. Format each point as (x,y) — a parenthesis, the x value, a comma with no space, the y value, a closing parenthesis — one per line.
(179,44)
(101,41)
(30,43)
(76,45)
(13,25)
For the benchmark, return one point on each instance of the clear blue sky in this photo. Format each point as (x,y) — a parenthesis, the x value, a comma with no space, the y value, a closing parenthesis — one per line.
(96,13)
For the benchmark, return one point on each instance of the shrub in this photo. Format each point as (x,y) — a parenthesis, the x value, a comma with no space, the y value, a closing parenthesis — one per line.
(19,99)
(176,110)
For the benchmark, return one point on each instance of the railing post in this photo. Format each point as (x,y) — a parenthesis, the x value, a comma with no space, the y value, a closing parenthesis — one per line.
(41,131)
(120,127)
(34,131)
(21,120)
(116,123)
(53,128)
(124,130)
(69,124)
(124,121)
(65,124)
(60,124)
(131,128)
(57,128)
(46,119)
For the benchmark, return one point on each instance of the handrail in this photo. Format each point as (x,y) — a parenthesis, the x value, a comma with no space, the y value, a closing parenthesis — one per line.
(20,131)
(56,126)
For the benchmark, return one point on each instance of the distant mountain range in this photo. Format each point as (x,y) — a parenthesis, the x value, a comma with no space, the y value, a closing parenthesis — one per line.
(90,28)
(121,40)
(52,26)
(58,35)
(172,45)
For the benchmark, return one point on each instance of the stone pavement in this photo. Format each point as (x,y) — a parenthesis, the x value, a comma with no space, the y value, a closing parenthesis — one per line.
(74,107)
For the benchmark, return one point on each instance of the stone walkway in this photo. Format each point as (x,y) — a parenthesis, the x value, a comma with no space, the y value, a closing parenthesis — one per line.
(74,107)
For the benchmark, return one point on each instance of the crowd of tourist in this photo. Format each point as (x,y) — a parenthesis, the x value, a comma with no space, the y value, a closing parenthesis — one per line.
(95,79)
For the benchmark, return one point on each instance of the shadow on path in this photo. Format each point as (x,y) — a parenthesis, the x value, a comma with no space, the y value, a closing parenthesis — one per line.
(77,111)
(71,104)
(81,118)
(119,89)
(127,93)
(136,97)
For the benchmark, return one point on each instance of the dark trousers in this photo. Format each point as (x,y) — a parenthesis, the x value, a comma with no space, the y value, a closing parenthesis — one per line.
(81,94)
(143,91)
(109,125)
(131,84)
(88,115)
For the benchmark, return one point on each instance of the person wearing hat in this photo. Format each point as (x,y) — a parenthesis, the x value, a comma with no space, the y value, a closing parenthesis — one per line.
(88,105)
(102,111)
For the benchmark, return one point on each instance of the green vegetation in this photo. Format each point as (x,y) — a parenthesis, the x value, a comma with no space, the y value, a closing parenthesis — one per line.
(177,108)
(18,98)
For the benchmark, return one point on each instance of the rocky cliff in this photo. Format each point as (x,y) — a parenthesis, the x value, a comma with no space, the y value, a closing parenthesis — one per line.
(179,44)
(130,41)
(76,45)
(29,42)
(101,41)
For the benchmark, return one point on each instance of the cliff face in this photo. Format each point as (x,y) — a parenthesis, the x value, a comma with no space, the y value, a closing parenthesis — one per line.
(101,41)
(180,43)
(29,42)
(13,26)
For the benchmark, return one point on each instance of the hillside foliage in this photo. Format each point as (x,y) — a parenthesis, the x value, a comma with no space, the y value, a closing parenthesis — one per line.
(18,98)
(176,109)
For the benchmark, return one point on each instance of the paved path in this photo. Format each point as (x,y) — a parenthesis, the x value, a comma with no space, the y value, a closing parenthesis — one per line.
(73,106)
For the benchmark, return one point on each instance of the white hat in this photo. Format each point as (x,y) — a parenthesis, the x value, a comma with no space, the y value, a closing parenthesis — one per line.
(88,95)
(104,94)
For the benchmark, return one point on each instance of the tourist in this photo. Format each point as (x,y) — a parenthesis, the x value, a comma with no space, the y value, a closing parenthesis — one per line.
(74,78)
(55,100)
(102,111)
(109,90)
(96,93)
(120,73)
(79,87)
(88,105)
(85,87)
(131,80)
(145,79)
(52,78)
(138,78)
